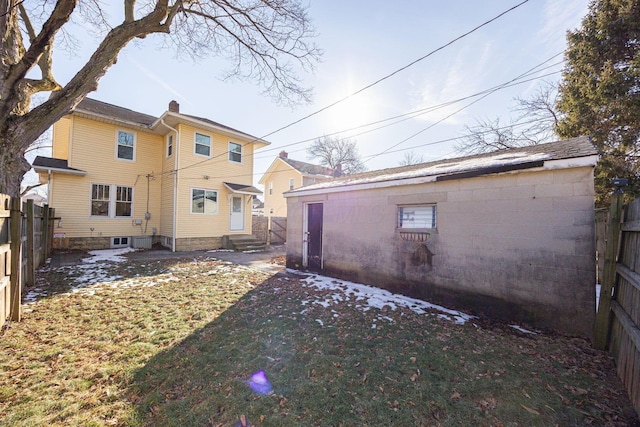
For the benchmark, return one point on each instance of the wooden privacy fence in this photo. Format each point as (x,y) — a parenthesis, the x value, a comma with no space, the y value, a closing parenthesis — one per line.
(26,232)
(618,314)
(260,227)
(278,230)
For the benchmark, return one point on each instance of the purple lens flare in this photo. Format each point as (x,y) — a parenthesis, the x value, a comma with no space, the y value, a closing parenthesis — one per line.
(259,383)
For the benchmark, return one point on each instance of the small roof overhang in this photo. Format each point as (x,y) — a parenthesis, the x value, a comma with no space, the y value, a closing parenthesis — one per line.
(242,188)
(50,164)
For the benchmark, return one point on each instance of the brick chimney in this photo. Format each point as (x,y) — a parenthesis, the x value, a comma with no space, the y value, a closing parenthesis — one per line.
(174,107)
(338,170)
(283,154)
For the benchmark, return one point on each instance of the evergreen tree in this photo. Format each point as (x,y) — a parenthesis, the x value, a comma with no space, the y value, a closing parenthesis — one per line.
(600,92)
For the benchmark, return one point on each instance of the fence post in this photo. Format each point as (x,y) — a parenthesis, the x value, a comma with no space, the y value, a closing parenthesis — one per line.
(30,249)
(47,238)
(15,233)
(603,317)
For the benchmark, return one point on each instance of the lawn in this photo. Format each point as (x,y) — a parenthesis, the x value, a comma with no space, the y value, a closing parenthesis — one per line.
(178,342)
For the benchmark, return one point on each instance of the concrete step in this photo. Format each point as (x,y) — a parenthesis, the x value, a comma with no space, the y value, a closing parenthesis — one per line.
(242,243)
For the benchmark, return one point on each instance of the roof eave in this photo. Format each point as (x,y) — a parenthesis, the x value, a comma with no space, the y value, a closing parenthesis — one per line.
(567,163)
(44,169)
(182,118)
(103,117)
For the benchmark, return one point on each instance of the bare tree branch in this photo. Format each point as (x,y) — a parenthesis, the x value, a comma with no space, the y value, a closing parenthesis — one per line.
(266,40)
(336,153)
(536,122)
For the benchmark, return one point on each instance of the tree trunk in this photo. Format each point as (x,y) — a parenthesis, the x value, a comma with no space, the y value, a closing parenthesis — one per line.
(13,166)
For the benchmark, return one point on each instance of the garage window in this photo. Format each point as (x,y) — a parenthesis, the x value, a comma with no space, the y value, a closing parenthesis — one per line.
(412,217)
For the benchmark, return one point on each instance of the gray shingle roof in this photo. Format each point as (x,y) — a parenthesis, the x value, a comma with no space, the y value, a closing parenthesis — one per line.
(308,168)
(113,111)
(41,162)
(476,165)
(242,188)
(220,125)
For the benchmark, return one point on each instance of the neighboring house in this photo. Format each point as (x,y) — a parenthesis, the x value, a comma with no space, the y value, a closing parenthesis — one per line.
(509,234)
(257,206)
(38,199)
(286,174)
(179,180)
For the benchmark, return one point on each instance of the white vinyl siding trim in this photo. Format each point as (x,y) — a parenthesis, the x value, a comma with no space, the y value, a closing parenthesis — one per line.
(413,217)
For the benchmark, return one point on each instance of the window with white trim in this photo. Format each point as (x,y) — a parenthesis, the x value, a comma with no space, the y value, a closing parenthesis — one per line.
(203,144)
(291,183)
(412,217)
(125,145)
(235,152)
(100,200)
(270,188)
(124,201)
(204,201)
(169,145)
(111,201)
(119,242)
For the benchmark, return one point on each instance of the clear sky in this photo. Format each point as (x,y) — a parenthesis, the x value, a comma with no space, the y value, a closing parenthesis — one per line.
(362,41)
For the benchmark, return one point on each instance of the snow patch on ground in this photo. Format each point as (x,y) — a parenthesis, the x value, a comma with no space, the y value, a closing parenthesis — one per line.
(369,297)
(521,329)
(108,255)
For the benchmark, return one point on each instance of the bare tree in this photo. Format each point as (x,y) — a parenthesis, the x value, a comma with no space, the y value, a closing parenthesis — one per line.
(336,153)
(411,158)
(535,122)
(264,40)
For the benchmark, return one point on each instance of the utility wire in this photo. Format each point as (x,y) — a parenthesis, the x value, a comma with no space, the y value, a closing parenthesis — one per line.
(380,80)
(405,116)
(427,144)
(460,109)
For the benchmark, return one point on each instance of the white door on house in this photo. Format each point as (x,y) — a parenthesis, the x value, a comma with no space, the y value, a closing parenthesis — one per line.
(236,217)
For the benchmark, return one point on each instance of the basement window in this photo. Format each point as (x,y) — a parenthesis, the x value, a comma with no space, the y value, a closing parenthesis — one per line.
(417,217)
(119,242)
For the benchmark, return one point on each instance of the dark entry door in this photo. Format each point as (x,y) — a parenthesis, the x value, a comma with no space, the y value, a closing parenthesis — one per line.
(314,236)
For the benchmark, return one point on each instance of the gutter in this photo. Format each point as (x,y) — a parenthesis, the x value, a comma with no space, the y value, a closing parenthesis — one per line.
(175,185)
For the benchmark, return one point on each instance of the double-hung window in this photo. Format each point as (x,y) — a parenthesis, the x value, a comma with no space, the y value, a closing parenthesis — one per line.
(126,145)
(111,201)
(291,183)
(100,200)
(203,144)
(235,152)
(204,201)
(411,217)
(169,145)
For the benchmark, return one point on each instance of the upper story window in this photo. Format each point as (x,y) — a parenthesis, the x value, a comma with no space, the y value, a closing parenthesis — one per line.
(204,201)
(169,145)
(270,188)
(111,201)
(235,152)
(203,144)
(126,145)
(291,183)
(417,216)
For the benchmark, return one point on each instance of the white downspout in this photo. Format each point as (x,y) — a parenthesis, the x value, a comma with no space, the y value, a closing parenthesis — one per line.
(175,185)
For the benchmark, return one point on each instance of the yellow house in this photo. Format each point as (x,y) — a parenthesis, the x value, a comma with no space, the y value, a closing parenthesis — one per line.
(118,177)
(286,174)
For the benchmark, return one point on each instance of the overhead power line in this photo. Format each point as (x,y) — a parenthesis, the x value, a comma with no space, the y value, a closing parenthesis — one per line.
(406,116)
(380,80)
